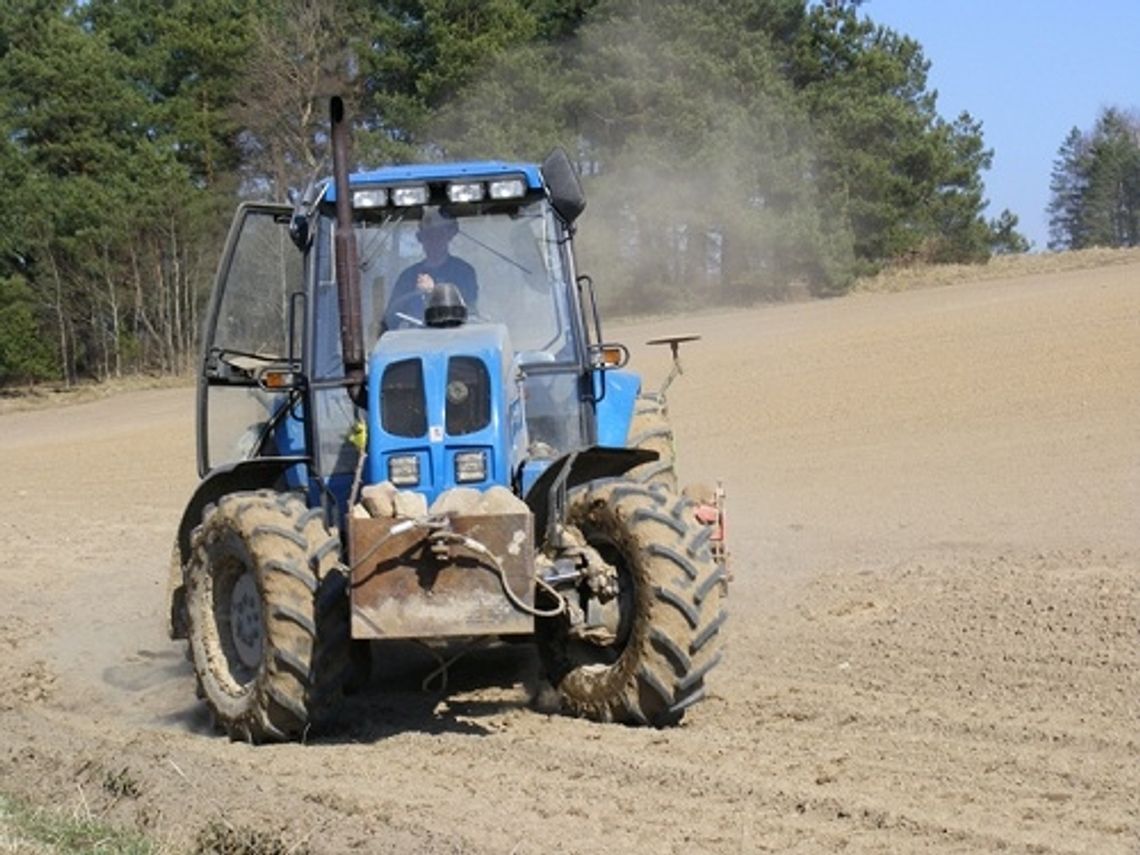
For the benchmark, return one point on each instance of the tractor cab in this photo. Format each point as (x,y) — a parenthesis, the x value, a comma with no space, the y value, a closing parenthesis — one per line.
(499,383)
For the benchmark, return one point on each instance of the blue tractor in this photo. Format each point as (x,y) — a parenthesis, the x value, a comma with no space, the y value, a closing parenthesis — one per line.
(410,427)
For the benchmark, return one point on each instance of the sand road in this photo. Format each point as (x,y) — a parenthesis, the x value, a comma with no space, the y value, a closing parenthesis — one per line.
(934,641)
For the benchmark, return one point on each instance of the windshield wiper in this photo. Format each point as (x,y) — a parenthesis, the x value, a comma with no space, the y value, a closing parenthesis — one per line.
(495,252)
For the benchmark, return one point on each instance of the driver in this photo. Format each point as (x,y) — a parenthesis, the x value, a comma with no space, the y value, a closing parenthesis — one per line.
(415,283)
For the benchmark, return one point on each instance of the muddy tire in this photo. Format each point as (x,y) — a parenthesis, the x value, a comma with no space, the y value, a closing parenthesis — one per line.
(651,430)
(268,615)
(670,602)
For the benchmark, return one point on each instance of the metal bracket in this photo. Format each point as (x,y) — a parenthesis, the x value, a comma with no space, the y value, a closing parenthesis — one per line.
(674,342)
(556,502)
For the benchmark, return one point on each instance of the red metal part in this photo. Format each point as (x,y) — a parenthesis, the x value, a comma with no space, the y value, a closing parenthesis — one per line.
(713,514)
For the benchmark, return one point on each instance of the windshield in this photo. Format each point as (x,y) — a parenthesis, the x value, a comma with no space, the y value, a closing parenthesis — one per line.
(505,261)
(509,266)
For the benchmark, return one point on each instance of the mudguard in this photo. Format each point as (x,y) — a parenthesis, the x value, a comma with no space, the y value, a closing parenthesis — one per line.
(258,474)
(590,464)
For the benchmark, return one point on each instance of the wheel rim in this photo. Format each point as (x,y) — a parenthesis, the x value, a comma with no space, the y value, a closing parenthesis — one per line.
(247,631)
(594,658)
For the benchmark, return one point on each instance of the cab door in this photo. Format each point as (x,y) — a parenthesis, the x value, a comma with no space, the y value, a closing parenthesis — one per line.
(251,340)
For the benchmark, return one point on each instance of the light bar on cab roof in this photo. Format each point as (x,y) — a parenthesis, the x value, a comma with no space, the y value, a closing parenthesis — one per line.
(413,194)
(465,191)
(458,192)
(370,197)
(507,188)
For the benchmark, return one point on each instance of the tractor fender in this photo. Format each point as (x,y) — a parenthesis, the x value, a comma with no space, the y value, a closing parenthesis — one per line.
(589,464)
(257,474)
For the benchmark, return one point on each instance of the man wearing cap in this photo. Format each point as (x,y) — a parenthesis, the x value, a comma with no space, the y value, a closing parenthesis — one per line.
(415,283)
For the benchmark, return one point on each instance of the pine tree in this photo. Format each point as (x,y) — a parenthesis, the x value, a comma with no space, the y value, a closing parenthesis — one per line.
(1068,185)
(1005,239)
(25,355)
(1095,185)
(1111,203)
(912,181)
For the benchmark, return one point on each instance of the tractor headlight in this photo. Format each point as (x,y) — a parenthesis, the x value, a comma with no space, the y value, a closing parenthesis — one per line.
(507,188)
(404,470)
(411,194)
(370,197)
(470,466)
(465,191)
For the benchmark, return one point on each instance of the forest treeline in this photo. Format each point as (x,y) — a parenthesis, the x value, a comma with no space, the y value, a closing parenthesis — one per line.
(1095,185)
(730,148)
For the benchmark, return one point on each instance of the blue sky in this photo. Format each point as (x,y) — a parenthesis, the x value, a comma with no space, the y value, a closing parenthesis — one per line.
(1029,71)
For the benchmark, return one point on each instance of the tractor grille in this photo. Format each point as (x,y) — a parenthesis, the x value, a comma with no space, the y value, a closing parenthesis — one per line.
(403,411)
(468,396)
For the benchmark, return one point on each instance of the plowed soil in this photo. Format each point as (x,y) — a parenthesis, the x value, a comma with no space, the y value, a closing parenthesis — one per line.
(934,641)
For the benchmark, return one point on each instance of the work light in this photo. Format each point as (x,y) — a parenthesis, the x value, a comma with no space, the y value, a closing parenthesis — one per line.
(404,470)
(465,191)
(370,197)
(411,194)
(470,466)
(507,188)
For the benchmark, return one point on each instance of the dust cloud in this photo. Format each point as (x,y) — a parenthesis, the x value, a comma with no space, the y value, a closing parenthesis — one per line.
(698,176)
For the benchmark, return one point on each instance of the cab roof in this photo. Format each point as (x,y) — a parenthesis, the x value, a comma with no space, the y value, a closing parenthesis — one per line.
(413,173)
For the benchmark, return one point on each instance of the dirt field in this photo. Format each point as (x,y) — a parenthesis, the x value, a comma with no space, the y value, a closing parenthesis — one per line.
(934,642)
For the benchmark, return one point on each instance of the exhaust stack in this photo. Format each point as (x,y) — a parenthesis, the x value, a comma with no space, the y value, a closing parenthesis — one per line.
(347,268)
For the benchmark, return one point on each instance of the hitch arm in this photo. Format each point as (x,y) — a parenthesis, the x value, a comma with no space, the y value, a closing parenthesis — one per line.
(674,342)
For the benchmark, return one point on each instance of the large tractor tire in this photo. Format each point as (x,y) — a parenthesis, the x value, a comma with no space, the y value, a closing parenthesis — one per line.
(651,430)
(268,615)
(669,595)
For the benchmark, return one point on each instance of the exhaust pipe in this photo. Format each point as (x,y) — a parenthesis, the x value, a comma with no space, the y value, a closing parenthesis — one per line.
(347,268)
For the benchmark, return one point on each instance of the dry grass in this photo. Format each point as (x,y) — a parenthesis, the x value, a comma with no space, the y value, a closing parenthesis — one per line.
(16,398)
(906,278)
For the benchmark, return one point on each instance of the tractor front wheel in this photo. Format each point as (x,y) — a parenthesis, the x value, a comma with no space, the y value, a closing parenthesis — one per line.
(653,667)
(268,615)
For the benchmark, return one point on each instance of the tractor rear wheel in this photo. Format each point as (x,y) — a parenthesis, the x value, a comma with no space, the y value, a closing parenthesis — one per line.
(651,430)
(669,595)
(268,615)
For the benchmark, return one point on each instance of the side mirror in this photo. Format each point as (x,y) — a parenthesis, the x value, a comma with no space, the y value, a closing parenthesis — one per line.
(566,194)
(299,230)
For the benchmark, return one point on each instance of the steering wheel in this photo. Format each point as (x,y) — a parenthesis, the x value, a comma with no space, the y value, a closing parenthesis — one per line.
(406,311)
